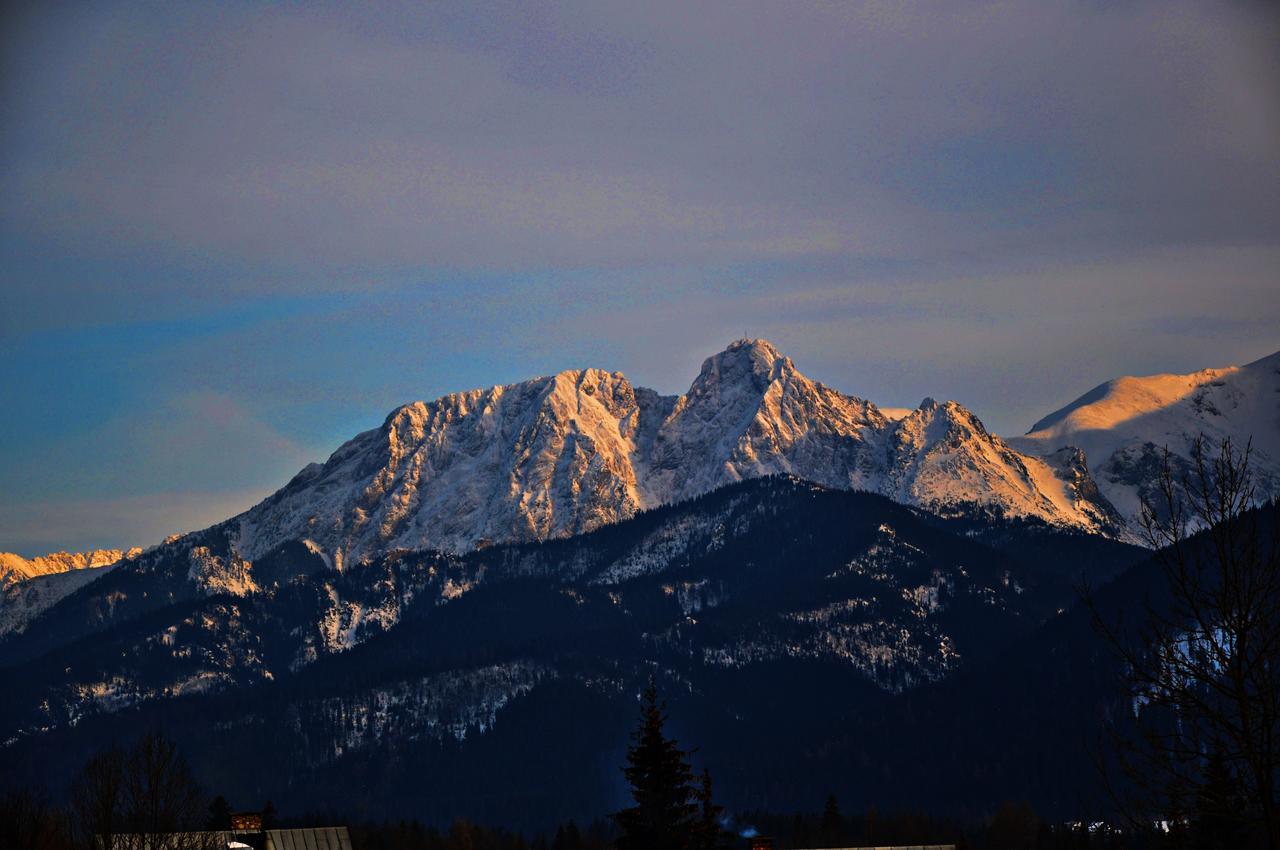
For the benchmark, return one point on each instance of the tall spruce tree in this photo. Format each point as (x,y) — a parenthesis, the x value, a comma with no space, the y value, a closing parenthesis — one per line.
(219,814)
(710,835)
(1216,822)
(665,814)
(832,825)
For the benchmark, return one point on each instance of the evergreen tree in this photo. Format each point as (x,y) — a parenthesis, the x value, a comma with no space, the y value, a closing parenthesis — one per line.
(832,826)
(1014,827)
(709,834)
(568,837)
(1216,824)
(219,814)
(872,830)
(799,831)
(665,813)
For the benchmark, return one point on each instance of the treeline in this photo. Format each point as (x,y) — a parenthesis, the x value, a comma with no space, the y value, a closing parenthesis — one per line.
(31,821)
(465,835)
(148,788)
(1013,826)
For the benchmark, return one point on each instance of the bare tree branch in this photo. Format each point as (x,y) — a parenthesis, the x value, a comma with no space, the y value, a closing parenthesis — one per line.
(1202,666)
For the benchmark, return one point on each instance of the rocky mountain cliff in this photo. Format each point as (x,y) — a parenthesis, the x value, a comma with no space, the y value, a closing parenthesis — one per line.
(558,456)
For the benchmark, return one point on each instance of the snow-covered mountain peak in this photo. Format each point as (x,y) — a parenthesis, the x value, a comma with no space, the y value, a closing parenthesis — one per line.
(1124,425)
(565,393)
(746,362)
(751,413)
(946,459)
(1121,400)
(947,421)
(950,414)
(566,453)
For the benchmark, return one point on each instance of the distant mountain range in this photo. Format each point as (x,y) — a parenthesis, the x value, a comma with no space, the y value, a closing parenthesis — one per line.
(562,455)
(15,568)
(29,586)
(499,563)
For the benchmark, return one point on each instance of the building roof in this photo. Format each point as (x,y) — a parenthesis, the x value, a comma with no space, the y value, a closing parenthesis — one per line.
(308,838)
(896,847)
(314,838)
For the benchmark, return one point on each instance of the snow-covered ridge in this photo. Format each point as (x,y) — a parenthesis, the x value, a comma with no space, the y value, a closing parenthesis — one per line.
(1123,426)
(560,455)
(15,568)
(29,586)
(23,601)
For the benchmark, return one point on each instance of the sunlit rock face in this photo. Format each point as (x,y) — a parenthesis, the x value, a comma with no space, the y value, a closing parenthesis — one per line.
(29,586)
(560,455)
(15,568)
(1123,427)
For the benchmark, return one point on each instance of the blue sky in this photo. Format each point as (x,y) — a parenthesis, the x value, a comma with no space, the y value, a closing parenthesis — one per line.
(232,235)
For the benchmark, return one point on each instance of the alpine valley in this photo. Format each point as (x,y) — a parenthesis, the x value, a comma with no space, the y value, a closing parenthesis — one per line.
(459,604)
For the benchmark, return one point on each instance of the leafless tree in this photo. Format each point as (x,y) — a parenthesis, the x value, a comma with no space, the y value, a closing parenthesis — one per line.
(143,798)
(1202,666)
(29,822)
(97,798)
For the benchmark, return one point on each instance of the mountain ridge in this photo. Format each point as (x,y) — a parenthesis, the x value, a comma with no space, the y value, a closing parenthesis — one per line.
(558,455)
(29,586)
(15,568)
(1124,425)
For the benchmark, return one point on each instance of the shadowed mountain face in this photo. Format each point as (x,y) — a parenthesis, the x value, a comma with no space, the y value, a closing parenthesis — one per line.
(774,610)
(1123,427)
